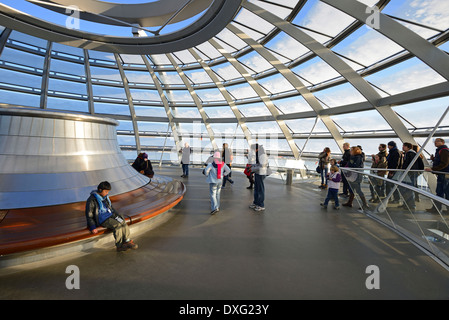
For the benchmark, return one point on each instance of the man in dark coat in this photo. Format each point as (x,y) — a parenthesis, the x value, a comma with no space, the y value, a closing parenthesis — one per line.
(394,161)
(440,164)
(143,165)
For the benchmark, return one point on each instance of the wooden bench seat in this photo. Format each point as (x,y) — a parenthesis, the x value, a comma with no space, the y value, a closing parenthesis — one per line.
(33,228)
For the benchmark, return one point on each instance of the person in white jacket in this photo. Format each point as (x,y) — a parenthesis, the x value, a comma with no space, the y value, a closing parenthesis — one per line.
(259,165)
(215,172)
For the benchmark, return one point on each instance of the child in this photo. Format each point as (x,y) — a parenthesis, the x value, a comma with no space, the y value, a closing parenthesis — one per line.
(250,175)
(333,187)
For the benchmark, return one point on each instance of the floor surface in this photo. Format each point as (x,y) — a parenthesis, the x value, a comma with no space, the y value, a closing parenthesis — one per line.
(294,250)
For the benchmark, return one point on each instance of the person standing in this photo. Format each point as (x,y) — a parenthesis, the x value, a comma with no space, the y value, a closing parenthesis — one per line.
(376,186)
(185,159)
(440,164)
(356,161)
(215,171)
(227,158)
(334,186)
(344,163)
(259,164)
(410,179)
(323,162)
(99,212)
(394,161)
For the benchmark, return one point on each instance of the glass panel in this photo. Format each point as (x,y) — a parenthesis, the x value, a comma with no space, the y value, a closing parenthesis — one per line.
(20,98)
(22,58)
(138,77)
(340,95)
(255,63)
(316,71)
(363,46)
(64,67)
(186,112)
(317,15)
(145,96)
(198,76)
(276,84)
(226,71)
(286,46)
(63,87)
(242,91)
(111,108)
(27,39)
(405,203)
(210,95)
(254,109)
(109,92)
(219,112)
(405,76)
(147,111)
(169,78)
(20,79)
(179,96)
(432,13)
(110,74)
(292,104)
(67,104)
(250,19)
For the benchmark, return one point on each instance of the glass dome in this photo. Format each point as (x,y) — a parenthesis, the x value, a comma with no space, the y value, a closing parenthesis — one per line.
(296,75)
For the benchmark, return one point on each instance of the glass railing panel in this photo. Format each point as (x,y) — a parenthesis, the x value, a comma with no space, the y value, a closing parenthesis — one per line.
(406,203)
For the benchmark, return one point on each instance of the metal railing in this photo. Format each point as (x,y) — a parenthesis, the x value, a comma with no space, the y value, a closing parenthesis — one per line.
(408,206)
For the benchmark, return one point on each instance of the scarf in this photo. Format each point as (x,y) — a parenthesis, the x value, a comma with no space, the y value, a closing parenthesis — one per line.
(103,211)
(219,165)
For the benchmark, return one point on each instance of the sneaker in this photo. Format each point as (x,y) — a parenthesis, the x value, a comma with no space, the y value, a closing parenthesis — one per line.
(123,247)
(322,204)
(130,244)
(336,208)
(252,206)
(214,211)
(257,208)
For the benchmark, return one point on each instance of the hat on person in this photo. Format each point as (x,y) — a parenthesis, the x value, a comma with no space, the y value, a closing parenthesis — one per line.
(145,156)
(217,155)
(392,143)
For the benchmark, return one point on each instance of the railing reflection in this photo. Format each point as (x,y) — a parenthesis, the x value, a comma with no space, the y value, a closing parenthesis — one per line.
(410,207)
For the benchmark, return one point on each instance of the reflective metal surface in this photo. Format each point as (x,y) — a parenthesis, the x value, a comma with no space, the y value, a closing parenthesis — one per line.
(49,158)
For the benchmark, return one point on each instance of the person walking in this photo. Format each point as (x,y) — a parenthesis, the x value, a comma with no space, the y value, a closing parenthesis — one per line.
(185,159)
(376,186)
(99,212)
(259,164)
(215,171)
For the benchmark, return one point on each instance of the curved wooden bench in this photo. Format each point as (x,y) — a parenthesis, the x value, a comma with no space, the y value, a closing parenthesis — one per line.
(35,228)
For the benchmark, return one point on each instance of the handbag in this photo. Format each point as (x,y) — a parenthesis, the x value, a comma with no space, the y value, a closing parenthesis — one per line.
(318,169)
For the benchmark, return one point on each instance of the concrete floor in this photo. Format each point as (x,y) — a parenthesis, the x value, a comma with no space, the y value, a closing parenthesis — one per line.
(294,250)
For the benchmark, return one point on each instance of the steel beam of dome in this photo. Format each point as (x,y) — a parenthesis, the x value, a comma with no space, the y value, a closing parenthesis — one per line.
(45,76)
(174,130)
(130,101)
(195,99)
(88,82)
(435,58)
(340,66)
(294,81)
(225,94)
(263,96)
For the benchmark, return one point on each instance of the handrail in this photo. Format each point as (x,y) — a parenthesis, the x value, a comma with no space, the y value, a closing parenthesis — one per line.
(401,184)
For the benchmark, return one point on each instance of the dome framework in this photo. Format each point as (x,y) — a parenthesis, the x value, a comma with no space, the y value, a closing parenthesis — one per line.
(278,72)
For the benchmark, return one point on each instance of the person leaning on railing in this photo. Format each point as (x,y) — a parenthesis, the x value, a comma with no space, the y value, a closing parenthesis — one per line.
(440,164)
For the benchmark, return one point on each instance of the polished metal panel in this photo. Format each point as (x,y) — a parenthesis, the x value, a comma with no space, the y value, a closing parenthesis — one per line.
(50,158)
